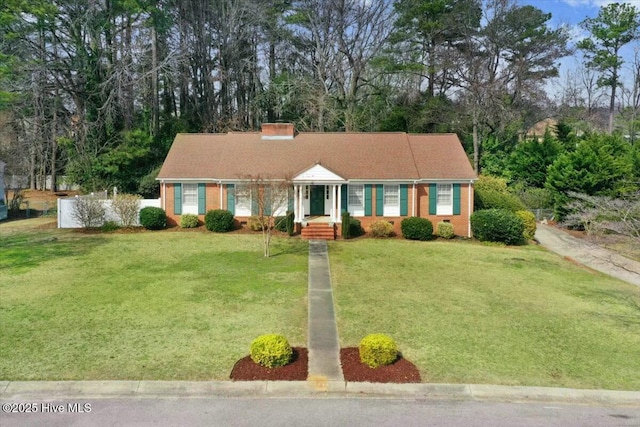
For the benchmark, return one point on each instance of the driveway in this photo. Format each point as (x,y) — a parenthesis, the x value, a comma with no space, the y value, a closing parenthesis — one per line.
(588,254)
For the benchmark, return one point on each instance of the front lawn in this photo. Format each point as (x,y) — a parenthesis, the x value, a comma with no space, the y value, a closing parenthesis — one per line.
(470,313)
(146,305)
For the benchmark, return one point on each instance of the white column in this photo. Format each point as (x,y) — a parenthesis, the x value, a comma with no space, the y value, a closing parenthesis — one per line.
(333,203)
(296,203)
(300,203)
(339,203)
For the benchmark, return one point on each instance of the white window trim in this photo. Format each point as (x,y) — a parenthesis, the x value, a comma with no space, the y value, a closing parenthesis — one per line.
(442,207)
(189,191)
(280,201)
(391,209)
(355,209)
(242,194)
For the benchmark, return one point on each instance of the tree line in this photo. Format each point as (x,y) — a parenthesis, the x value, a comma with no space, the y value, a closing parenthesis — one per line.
(96,90)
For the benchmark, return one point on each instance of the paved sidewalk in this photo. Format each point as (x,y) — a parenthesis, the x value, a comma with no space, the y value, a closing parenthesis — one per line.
(591,255)
(323,345)
(26,391)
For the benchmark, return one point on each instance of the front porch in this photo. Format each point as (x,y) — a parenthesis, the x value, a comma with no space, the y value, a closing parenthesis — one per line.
(317,193)
(317,203)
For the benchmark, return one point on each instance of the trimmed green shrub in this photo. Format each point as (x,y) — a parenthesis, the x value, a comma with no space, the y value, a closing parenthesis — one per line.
(285,223)
(290,222)
(271,350)
(355,228)
(492,193)
(219,220)
(378,350)
(416,228)
(445,230)
(109,226)
(280,223)
(346,225)
(153,218)
(497,225)
(189,221)
(381,228)
(529,221)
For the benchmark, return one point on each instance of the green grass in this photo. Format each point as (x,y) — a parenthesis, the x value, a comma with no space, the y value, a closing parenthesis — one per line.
(153,305)
(186,306)
(470,313)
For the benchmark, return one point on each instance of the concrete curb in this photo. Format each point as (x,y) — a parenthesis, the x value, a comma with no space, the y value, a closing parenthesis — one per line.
(51,390)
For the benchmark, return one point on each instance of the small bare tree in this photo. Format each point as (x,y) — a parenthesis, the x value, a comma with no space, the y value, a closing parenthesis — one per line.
(89,211)
(270,199)
(598,213)
(126,207)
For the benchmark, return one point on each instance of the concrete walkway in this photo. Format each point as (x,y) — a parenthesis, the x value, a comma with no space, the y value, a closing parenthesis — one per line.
(323,345)
(591,255)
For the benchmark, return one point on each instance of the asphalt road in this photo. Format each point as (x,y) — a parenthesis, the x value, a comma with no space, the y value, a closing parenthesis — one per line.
(315,412)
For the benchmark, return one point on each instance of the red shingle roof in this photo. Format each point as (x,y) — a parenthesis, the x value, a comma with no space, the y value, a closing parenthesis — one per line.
(371,156)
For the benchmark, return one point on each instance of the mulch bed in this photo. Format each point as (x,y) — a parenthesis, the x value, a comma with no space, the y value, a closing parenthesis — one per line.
(401,371)
(246,369)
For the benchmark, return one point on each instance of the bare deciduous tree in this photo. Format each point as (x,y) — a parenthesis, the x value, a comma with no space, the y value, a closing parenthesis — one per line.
(600,213)
(269,198)
(126,208)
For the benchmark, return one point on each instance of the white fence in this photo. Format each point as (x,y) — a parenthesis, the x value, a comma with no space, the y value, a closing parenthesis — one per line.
(66,207)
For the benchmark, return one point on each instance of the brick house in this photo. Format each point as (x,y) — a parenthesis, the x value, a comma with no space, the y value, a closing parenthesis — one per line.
(374,176)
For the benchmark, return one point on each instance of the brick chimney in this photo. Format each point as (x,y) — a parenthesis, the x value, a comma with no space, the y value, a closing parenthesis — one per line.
(278,131)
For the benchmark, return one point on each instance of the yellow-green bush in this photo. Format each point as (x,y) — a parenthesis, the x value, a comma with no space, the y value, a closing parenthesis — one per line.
(254,223)
(189,221)
(378,350)
(529,222)
(271,350)
(381,228)
(445,230)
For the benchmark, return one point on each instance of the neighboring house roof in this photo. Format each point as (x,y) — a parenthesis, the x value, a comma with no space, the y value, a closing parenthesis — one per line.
(540,128)
(370,156)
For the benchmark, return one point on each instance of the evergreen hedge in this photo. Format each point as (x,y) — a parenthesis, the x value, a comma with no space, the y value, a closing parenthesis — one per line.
(497,225)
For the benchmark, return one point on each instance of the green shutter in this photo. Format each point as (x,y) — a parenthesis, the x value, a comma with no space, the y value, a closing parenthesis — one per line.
(177,199)
(367,200)
(344,195)
(456,199)
(433,199)
(379,200)
(202,199)
(404,200)
(231,198)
